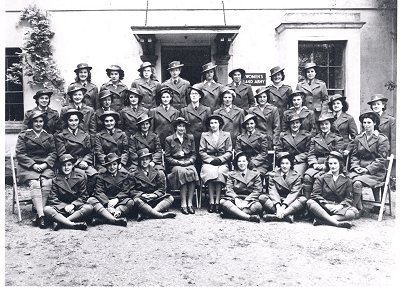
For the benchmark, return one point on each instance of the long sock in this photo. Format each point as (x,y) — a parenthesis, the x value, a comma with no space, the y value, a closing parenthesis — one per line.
(183,191)
(147,209)
(164,204)
(82,214)
(295,206)
(357,195)
(36,196)
(269,206)
(319,212)
(104,213)
(232,210)
(52,213)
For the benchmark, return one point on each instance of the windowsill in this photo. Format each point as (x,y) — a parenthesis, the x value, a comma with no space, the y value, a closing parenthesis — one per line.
(13,127)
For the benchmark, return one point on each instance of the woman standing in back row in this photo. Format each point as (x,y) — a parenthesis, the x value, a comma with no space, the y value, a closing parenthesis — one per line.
(147,85)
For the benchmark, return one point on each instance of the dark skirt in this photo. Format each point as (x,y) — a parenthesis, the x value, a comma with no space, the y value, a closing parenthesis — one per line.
(181,175)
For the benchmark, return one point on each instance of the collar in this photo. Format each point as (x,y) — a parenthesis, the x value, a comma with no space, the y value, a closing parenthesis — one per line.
(212,82)
(278,86)
(80,105)
(338,114)
(85,83)
(195,106)
(37,134)
(375,132)
(73,132)
(167,106)
(106,109)
(112,131)
(43,110)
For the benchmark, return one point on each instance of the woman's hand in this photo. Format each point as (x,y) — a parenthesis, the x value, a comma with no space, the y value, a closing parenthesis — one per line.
(36,167)
(113,202)
(336,208)
(152,164)
(43,166)
(69,208)
(83,165)
(361,170)
(279,210)
(346,152)
(240,203)
(117,213)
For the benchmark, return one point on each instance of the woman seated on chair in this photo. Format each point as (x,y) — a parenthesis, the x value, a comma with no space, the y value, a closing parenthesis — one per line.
(180,156)
(151,200)
(36,154)
(111,199)
(255,144)
(367,164)
(215,151)
(283,200)
(243,188)
(331,200)
(66,205)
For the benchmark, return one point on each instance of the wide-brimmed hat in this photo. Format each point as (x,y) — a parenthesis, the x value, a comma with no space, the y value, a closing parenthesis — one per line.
(293,117)
(105,93)
(240,70)
(82,66)
(42,92)
(37,114)
(174,65)
(66,157)
(326,116)
(133,91)
(295,93)
(275,70)
(282,155)
(143,119)
(336,97)
(145,65)
(337,155)
(247,118)
(113,114)
(165,90)
(309,65)
(114,68)
(208,66)
(70,112)
(372,115)
(197,87)
(260,91)
(225,90)
(143,153)
(214,117)
(110,158)
(75,87)
(180,120)
(377,97)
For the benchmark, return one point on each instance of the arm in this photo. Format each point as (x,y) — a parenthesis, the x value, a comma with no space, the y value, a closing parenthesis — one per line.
(83,195)
(205,157)
(52,154)
(88,157)
(256,189)
(99,191)
(294,192)
(169,153)
(98,149)
(378,164)
(125,149)
(228,151)
(273,193)
(157,155)
(347,201)
(160,184)
(230,187)
(60,145)
(312,159)
(276,126)
(316,193)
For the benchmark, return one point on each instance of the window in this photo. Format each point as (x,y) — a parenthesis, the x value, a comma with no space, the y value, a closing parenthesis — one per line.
(14,109)
(329,56)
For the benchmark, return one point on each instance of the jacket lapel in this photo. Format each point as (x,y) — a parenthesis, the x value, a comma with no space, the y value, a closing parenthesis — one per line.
(209,139)
(105,135)
(321,141)
(329,181)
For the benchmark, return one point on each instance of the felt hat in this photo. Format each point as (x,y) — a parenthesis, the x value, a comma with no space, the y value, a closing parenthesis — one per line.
(296,93)
(309,65)
(104,94)
(143,153)
(71,112)
(282,155)
(174,65)
(275,70)
(247,118)
(293,117)
(337,155)
(377,97)
(114,68)
(66,157)
(260,91)
(133,91)
(82,66)
(143,119)
(37,114)
(240,70)
(113,114)
(110,158)
(197,87)
(75,87)
(145,65)
(42,92)
(326,116)
(208,66)
(180,120)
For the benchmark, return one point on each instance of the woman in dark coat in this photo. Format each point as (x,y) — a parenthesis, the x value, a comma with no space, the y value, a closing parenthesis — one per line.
(115,86)
(132,112)
(344,123)
(66,205)
(105,102)
(243,188)
(151,200)
(145,138)
(331,200)
(283,200)
(216,152)
(210,86)
(268,121)
(84,78)
(231,114)
(278,92)
(147,85)
(296,141)
(111,200)
(36,154)
(321,145)
(42,100)
(244,93)
(369,152)
(180,156)
(163,116)
(255,144)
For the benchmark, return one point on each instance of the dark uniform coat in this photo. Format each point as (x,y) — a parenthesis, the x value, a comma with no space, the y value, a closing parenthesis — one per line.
(308,119)
(129,118)
(327,191)
(268,121)
(278,97)
(152,183)
(244,95)
(282,190)
(148,91)
(316,95)
(387,126)
(180,92)
(347,128)
(162,121)
(99,123)
(248,187)
(91,96)
(53,120)
(88,123)
(116,143)
(211,94)
(118,94)
(151,142)
(232,121)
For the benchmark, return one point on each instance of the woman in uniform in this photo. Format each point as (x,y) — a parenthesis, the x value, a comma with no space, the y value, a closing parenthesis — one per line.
(115,85)
(180,156)
(105,102)
(210,86)
(244,93)
(84,78)
(283,200)
(243,188)
(216,152)
(330,200)
(278,92)
(66,205)
(147,85)
(36,154)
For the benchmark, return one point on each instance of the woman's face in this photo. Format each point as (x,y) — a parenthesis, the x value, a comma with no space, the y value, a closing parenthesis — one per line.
(262,99)
(295,126)
(83,74)
(145,126)
(227,99)
(77,97)
(37,124)
(277,78)
(109,122)
(285,165)
(106,102)
(214,125)
(112,167)
(325,126)
(337,106)
(165,99)
(145,161)
(175,72)
(67,167)
(133,99)
(194,96)
(250,125)
(210,75)
(181,128)
(242,163)
(237,77)
(114,76)
(334,165)
(297,101)
(147,72)
(377,106)
(73,122)
(43,101)
(310,73)
(368,125)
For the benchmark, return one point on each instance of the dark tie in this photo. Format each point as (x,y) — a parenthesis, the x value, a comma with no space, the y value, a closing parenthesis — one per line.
(284,176)
(195,108)
(249,134)
(111,133)
(78,108)
(134,110)
(166,108)
(243,174)
(84,84)
(175,82)
(237,84)
(335,117)
(309,82)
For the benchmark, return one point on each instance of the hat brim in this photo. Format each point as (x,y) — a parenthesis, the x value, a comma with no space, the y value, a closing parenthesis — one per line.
(175,123)
(144,67)
(242,72)
(78,69)
(36,96)
(254,118)
(313,66)
(276,72)
(261,92)
(115,116)
(67,115)
(209,68)
(381,99)
(175,67)
(145,120)
(83,89)
(107,163)
(144,155)
(198,90)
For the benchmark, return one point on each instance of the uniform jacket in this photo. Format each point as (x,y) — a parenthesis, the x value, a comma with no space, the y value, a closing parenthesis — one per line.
(326,190)
(244,95)
(109,187)
(232,121)
(91,96)
(248,187)
(129,119)
(162,121)
(196,119)
(116,143)
(320,147)
(118,95)
(174,149)
(99,123)
(256,146)
(297,146)
(53,120)
(268,121)
(31,150)
(316,94)
(308,122)
(387,126)
(289,188)
(88,123)
(138,142)
(211,94)
(153,183)
(210,150)
(347,128)
(180,92)
(279,97)
(148,90)
(68,191)
(78,146)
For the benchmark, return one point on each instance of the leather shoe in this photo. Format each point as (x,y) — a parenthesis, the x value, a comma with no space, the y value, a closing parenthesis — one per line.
(56,226)
(270,218)
(80,226)
(184,210)
(121,221)
(289,218)
(169,215)
(42,223)
(217,208)
(254,218)
(191,210)
(211,208)
(96,221)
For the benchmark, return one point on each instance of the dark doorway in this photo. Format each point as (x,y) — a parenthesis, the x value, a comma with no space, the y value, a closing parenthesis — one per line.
(192,57)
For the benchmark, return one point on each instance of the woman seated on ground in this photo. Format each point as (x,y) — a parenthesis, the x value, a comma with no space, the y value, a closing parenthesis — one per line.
(147,85)
(215,151)
(84,78)
(111,199)
(367,165)
(180,156)
(296,141)
(116,75)
(145,138)
(330,200)
(243,188)
(111,140)
(66,205)
(36,154)
(254,144)
(283,200)
(151,200)
(105,102)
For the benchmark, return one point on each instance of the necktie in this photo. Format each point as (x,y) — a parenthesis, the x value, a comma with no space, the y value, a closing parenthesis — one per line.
(243,174)
(175,82)
(166,108)
(84,84)
(78,108)
(144,135)
(284,176)
(237,84)
(309,82)
(335,117)
(195,108)
(111,133)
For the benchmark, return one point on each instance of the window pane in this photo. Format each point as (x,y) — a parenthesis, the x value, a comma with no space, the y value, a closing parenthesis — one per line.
(336,55)
(14,98)
(336,78)
(321,54)
(322,74)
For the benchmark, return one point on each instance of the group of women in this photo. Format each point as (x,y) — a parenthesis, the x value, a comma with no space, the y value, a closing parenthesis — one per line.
(116,152)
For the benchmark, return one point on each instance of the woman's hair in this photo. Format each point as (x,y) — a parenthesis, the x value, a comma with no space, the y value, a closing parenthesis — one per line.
(384,105)
(120,72)
(103,99)
(283,75)
(30,123)
(152,76)
(140,125)
(302,95)
(203,75)
(342,167)
(268,97)
(332,129)
(89,77)
(290,158)
(116,122)
(37,100)
(236,159)
(345,104)
(65,125)
(376,126)
(127,102)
